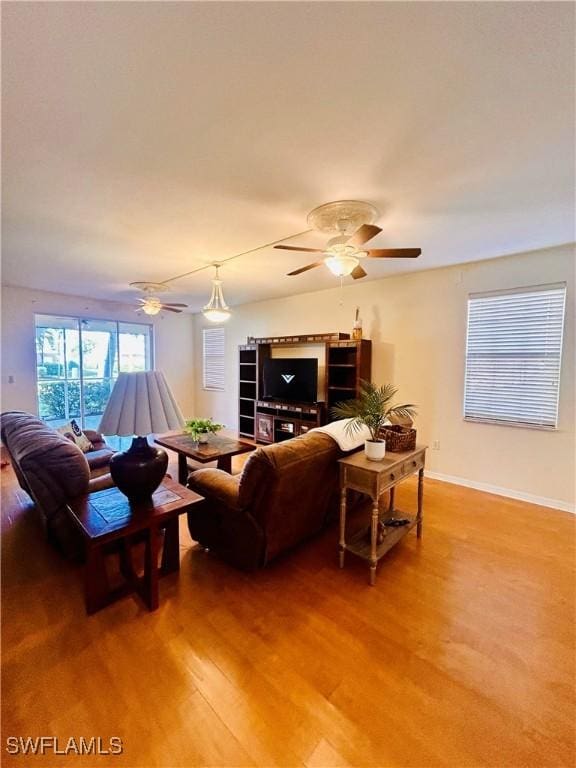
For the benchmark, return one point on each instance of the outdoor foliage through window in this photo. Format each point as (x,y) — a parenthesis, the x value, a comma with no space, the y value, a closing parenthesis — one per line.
(78,361)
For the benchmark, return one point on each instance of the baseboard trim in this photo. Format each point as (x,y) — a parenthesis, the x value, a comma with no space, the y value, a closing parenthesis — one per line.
(511,494)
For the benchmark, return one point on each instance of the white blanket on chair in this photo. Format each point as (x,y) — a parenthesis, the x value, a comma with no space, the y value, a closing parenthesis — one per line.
(347,439)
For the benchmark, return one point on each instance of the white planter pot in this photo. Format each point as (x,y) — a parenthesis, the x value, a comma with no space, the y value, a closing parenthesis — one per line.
(375,450)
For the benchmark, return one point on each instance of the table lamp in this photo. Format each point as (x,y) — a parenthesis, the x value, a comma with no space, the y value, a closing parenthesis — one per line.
(140,404)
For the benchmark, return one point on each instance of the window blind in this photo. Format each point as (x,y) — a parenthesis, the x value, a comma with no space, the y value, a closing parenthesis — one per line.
(213,358)
(513,356)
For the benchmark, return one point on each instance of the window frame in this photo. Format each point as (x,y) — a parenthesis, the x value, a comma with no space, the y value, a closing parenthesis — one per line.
(206,387)
(511,292)
(79,319)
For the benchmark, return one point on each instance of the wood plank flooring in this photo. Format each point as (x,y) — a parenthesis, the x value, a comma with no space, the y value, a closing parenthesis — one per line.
(461,655)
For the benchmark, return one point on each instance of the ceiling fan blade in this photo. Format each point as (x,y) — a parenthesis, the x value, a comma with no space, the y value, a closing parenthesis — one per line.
(358,272)
(363,234)
(297,248)
(394,253)
(169,309)
(172,304)
(305,269)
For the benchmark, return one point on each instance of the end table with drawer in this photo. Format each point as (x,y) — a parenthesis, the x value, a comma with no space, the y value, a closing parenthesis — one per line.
(374,478)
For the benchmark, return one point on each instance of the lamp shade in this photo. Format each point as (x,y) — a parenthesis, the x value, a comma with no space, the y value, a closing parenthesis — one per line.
(140,404)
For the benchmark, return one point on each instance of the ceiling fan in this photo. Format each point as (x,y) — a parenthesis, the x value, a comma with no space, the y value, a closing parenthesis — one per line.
(352,220)
(151,304)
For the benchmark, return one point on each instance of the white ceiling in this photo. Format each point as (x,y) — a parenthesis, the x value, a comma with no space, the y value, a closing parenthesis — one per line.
(142,140)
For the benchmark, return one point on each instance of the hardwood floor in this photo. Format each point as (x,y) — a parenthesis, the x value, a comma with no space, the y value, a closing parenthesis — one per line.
(461,655)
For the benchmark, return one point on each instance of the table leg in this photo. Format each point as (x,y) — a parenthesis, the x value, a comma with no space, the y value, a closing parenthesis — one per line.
(96,590)
(342,526)
(420,503)
(126,560)
(391,503)
(373,541)
(382,531)
(150,593)
(182,469)
(225,464)
(171,552)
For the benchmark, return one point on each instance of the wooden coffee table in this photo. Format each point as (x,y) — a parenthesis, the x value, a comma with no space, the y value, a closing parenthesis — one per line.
(108,518)
(219,449)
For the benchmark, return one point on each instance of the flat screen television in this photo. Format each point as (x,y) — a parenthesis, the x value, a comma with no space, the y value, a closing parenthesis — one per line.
(291,379)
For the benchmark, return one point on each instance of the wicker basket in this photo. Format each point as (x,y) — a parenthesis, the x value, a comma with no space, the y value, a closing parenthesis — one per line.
(398,438)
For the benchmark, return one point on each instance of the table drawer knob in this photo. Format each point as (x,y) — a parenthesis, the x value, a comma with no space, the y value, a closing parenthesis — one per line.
(392,477)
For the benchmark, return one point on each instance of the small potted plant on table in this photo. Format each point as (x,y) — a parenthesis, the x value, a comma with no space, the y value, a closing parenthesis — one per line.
(199,429)
(372,409)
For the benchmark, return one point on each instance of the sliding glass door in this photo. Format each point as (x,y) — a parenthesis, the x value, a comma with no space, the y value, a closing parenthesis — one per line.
(78,361)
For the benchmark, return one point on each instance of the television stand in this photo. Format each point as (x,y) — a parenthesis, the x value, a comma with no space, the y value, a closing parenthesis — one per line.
(346,361)
(277,421)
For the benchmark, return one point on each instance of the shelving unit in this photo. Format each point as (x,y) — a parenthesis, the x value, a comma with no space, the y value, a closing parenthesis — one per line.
(248,389)
(348,362)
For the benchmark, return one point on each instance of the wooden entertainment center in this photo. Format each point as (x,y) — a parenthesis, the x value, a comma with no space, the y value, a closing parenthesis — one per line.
(348,362)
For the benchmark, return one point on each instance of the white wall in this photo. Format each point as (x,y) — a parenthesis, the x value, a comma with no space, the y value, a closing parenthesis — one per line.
(173,342)
(417,324)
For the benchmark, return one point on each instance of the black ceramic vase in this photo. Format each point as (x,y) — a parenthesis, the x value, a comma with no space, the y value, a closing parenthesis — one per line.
(138,471)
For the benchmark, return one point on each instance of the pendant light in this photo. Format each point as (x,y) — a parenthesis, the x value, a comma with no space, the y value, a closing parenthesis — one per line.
(216,310)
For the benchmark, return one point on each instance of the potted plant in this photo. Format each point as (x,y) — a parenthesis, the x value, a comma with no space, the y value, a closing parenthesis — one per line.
(199,429)
(372,409)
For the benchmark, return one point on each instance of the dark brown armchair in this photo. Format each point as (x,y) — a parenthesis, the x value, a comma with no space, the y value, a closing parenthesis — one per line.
(284,495)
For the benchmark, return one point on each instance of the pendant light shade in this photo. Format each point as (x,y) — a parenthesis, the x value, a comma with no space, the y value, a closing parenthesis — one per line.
(216,310)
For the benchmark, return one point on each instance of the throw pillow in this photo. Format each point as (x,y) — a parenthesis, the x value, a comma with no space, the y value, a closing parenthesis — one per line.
(73,432)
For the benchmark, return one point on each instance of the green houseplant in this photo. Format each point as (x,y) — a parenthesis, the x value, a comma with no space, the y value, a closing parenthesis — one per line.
(199,429)
(372,409)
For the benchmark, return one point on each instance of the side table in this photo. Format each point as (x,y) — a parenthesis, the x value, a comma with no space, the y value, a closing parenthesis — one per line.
(374,478)
(107,517)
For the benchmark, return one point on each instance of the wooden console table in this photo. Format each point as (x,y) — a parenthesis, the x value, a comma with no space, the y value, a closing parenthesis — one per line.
(374,478)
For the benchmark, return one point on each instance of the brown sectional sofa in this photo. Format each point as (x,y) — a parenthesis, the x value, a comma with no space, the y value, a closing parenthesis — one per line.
(52,469)
(286,493)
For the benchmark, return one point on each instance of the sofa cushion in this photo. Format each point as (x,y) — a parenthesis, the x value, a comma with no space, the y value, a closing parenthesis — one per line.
(100,458)
(295,482)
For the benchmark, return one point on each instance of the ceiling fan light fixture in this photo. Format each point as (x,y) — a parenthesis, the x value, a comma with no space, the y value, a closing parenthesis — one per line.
(151,306)
(217,311)
(341,265)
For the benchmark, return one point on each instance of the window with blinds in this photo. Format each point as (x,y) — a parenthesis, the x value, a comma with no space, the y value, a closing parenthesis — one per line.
(213,358)
(513,356)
